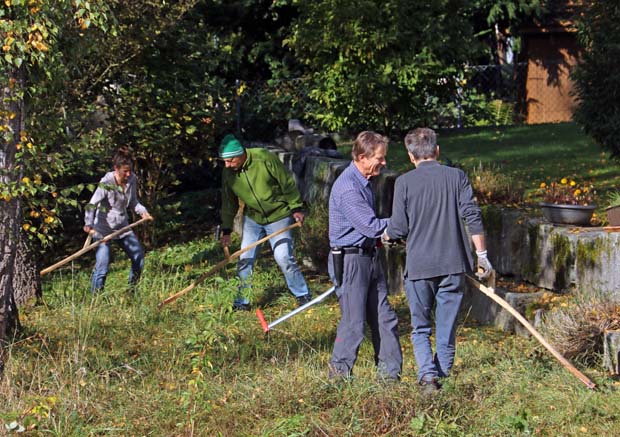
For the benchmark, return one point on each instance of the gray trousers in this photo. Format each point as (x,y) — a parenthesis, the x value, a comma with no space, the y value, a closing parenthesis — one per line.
(363,298)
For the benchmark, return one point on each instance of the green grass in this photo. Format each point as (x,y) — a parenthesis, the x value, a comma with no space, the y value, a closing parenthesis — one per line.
(530,154)
(533,154)
(114,364)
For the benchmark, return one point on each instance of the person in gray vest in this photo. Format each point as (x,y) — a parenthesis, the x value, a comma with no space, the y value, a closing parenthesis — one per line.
(355,268)
(429,207)
(106,213)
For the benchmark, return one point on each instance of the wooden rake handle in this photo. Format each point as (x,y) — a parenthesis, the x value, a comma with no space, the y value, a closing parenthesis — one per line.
(491,294)
(89,239)
(88,247)
(222,263)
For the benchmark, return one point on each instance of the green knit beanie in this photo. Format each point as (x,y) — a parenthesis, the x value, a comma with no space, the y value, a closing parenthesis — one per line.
(230,147)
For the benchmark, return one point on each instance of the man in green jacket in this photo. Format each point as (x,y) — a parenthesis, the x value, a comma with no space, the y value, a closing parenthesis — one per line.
(272,202)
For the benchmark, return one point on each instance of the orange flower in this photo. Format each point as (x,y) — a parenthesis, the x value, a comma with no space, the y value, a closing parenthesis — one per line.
(567,192)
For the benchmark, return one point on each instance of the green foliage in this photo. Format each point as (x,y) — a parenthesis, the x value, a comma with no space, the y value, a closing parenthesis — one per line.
(479,110)
(369,66)
(495,21)
(519,422)
(613,198)
(598,91)
(34,34)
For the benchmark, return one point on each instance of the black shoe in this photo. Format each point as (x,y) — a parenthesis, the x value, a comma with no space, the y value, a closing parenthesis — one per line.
(429,386)
(241,306)
(302,300)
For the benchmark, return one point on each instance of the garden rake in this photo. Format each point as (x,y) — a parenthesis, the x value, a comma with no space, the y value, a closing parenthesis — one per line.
(222,263)
(267,327)
(490,292)
(88,246)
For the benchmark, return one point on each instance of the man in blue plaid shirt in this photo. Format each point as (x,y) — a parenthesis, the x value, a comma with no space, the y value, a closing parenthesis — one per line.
(355,267)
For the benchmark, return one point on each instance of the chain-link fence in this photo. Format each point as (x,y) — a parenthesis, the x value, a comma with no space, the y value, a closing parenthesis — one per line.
(483,95)
(488,95)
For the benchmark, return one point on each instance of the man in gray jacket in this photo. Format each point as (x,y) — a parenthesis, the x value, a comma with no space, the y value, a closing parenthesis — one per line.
(106,213)
(430,204)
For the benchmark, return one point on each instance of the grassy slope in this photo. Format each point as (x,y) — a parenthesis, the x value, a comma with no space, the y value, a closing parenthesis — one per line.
(115,365)
(531,154)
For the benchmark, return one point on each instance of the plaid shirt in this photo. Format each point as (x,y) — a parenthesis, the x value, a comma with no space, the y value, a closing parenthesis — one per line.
(352,218)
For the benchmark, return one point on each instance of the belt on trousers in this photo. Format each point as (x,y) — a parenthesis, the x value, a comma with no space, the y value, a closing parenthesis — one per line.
(370,251)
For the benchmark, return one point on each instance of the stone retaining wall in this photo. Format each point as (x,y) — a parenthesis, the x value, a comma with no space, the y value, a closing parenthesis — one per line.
(520,244)
(560,258)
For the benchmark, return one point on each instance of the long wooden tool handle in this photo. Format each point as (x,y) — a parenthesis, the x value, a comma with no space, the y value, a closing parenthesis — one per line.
(90,247)
(222,263)
(89,239)
(572,369)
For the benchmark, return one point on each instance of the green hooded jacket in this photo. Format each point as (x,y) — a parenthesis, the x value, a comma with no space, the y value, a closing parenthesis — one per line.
(264,185)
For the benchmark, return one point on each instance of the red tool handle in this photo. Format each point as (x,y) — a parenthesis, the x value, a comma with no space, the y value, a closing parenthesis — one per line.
(261,319)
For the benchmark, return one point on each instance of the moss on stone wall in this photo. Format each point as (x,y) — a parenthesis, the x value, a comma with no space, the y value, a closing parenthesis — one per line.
(589,253)
(533,267)
(563,257)
(492,219)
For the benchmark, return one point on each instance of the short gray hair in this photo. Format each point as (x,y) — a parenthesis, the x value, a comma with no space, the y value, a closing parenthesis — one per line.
(421,143)
(367,143)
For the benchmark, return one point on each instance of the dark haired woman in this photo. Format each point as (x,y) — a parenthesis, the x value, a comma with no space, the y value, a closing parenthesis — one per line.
(106,212)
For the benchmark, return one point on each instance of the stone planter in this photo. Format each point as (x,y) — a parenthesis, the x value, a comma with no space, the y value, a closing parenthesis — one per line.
(613,215)
(578,215)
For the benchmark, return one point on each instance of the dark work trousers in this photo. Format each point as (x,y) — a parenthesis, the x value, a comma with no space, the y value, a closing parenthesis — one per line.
(363,298)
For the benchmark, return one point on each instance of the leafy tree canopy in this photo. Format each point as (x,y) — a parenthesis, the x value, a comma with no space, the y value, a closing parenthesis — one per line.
(598,85)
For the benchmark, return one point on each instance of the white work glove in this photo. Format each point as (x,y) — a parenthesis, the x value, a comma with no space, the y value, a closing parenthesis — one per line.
(484,265)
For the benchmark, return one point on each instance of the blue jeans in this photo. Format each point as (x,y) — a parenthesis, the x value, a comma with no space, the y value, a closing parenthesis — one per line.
(282,246)
(132,247)
(445,294)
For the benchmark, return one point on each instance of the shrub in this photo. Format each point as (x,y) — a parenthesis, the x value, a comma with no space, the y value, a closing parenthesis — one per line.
(577,330)
(492,186)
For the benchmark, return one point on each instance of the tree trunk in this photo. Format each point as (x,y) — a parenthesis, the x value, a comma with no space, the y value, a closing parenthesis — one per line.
(9,206)
(8,311)
(26,278)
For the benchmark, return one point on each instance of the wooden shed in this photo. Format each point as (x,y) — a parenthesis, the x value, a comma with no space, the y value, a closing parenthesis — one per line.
(551,50)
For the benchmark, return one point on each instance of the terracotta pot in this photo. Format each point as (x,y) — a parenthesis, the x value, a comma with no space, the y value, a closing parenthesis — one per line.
(613,215)
(578,215)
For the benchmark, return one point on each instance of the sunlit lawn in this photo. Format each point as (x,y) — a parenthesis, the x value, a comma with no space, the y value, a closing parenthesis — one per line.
(531,154)
(116,365)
